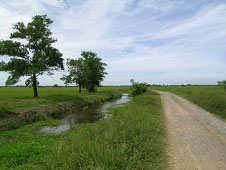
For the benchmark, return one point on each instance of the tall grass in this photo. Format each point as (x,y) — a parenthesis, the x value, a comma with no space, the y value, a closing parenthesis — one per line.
(211,98)
(133,138)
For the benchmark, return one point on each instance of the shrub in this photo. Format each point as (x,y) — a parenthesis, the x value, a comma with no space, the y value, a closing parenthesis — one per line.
(138,88)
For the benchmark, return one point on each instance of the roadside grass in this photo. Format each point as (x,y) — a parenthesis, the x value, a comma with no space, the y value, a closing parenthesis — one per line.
(211,98)
(133,138)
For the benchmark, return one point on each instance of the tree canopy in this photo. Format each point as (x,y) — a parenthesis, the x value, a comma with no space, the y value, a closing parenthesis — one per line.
(87,71)
(76,73)
(34,55)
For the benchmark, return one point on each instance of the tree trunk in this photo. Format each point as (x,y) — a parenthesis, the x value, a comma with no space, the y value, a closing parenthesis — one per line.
(80,89)
(35,85)
(92,88)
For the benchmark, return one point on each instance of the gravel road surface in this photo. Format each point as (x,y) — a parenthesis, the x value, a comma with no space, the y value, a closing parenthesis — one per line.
(196,138)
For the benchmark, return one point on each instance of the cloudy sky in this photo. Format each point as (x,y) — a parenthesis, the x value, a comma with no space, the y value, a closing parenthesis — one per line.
(153,41)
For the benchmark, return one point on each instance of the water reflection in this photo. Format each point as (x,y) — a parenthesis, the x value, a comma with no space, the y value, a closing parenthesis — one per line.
(88,116)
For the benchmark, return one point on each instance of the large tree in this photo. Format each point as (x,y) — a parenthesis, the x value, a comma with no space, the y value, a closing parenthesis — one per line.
(76,73)
(87,71)
(33,54)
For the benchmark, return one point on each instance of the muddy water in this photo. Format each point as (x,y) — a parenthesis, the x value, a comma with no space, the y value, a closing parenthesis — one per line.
(89,116)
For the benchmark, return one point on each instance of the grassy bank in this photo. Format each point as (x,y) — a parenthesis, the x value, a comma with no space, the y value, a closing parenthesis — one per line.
(18,107)
(133,138)
(211,98)
(16,99)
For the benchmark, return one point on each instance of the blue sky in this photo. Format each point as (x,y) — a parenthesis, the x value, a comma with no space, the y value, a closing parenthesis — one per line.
(153,41)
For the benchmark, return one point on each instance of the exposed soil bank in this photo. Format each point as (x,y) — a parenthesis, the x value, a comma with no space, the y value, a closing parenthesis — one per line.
(91,115)
(16,120)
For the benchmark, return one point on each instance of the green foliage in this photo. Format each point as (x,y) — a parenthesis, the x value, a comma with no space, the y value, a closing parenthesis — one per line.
(223,84)
(138,88)
(94,70)
(29,82)
(87,72)
(17,154)
(35,56)
(76,73)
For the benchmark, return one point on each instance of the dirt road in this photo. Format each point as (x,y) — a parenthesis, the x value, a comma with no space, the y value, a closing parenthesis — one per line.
(196,138)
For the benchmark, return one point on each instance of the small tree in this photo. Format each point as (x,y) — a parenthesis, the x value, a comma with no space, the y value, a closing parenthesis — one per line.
(138,88)
(87,71)
(76,73)
(94,70)
(35,56)
(223,84)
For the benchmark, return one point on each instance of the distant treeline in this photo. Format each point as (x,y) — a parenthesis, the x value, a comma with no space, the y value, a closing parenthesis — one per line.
(154,85)
(65,86)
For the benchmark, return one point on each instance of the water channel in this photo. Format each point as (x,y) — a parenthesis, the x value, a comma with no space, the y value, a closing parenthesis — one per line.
(89,116)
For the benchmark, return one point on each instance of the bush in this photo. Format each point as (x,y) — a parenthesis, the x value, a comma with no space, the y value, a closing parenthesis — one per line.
(138,88)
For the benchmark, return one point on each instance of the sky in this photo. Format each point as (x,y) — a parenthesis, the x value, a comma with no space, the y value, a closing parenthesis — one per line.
(153,41)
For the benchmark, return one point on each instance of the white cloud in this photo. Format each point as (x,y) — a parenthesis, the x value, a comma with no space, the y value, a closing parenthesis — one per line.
(54,3)
(185,41)
(210,19)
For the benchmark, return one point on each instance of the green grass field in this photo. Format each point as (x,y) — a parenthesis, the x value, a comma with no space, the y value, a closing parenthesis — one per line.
(211,98)
(18,98)
(17,101)
(133,138)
